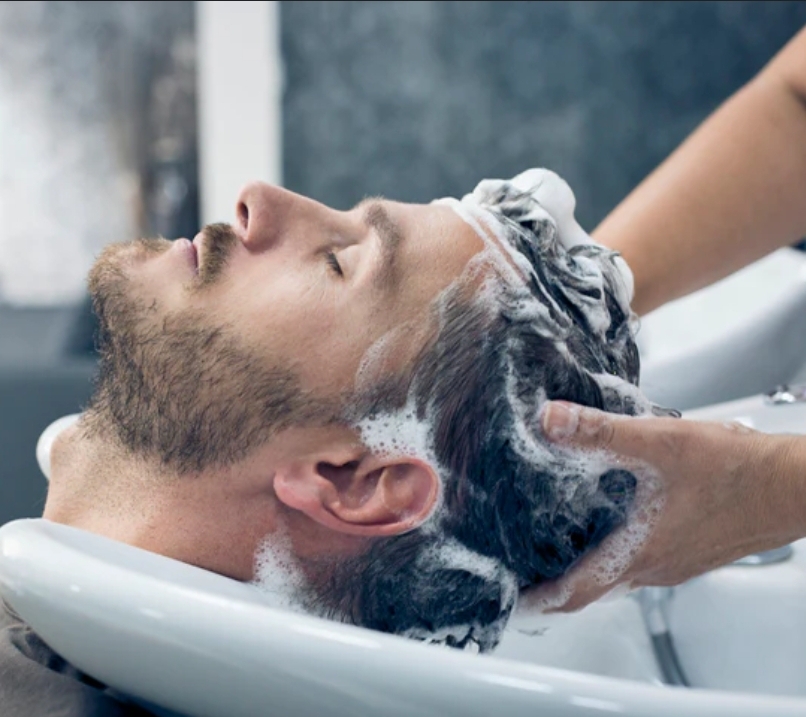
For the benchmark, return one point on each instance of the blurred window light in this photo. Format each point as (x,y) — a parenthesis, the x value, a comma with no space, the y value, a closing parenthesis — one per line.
(97,136)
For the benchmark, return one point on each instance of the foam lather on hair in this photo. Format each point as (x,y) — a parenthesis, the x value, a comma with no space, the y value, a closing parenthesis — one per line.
(533,196)
(545,315)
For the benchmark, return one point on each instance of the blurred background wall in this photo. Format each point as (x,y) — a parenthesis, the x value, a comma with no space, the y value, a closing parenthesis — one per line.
(96,101)
(97,144)
(413,100)
(416,100)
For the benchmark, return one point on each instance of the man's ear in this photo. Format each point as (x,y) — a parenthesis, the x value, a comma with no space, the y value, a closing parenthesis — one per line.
(365,495)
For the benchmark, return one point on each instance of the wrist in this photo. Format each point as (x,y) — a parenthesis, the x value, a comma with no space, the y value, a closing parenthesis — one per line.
(786,457)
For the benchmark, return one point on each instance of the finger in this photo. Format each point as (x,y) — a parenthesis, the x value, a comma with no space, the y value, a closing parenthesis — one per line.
(582,597)
(569,593)
(593,576)
(583,427)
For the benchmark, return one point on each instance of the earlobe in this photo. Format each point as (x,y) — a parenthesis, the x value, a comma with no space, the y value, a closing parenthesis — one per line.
(369,497)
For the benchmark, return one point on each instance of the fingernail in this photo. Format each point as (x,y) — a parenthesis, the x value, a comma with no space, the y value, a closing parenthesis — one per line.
(560,420)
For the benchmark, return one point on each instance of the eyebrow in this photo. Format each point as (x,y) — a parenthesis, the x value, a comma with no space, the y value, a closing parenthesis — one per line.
(390,235)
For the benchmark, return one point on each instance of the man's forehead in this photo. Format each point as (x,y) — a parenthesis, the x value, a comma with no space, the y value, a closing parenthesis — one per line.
(484,224)
(431,227)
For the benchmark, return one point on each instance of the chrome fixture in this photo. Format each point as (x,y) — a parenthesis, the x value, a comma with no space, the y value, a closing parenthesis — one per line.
(783,395)
(653,602)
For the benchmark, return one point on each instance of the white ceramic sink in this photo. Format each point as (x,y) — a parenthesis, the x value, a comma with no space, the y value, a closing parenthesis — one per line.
(185,641)
(739,337)
(744,628)
(199,644)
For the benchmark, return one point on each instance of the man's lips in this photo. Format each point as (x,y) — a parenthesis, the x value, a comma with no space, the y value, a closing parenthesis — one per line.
(198,248)
(189,250)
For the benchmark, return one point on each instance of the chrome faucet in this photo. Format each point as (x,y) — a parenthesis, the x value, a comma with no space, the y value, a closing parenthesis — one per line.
(654,604)
(784,395)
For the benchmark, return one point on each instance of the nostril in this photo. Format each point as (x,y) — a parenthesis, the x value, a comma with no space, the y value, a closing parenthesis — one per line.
(243,215)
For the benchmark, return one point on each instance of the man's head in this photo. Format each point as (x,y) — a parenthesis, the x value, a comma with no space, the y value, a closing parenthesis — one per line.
(209,348)
(367,384)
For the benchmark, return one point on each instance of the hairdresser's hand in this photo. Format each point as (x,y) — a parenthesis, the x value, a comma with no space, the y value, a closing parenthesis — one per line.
(725,491)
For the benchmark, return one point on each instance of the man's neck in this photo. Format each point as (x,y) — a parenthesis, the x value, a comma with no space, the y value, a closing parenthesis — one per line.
(85,472)
(214,519)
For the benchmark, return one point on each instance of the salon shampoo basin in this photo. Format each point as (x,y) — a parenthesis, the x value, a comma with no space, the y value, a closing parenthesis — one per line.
(739,337)
(184,641)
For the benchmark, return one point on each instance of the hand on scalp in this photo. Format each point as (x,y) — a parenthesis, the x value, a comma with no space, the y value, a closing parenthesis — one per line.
(725,491)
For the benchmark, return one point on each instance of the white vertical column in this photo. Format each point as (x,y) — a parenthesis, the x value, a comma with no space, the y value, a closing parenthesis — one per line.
(239,100)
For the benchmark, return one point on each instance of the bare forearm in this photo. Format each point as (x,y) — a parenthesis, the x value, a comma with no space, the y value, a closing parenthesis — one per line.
(792,483)
(733,192)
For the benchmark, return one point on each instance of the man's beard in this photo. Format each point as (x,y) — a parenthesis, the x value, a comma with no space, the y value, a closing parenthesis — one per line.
(177,389)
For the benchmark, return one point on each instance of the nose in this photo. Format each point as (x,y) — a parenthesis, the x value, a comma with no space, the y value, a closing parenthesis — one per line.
(260,214)
(266,215)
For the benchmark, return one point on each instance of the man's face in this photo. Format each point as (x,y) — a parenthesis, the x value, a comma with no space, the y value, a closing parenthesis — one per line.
(202,337)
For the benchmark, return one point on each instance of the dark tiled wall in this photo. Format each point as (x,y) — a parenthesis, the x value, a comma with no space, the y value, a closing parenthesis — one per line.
(421,99)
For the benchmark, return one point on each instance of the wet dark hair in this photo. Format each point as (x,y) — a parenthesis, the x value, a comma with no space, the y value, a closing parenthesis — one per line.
(488,367)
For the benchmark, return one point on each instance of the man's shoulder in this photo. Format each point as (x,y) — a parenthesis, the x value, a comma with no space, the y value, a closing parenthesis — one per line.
(34,680)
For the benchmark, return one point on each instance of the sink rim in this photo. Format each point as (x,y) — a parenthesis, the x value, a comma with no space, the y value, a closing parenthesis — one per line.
(35,561)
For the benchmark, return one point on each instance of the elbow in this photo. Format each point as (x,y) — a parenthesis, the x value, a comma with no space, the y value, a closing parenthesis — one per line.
(787,70)
(796,87)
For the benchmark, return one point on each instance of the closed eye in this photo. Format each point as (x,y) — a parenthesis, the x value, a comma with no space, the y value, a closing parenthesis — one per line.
(333,263)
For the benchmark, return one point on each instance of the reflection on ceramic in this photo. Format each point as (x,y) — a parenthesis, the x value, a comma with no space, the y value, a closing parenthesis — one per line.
(45,442)
(608,638)
(756,412)
(202,645)
(739,337)
(742,627)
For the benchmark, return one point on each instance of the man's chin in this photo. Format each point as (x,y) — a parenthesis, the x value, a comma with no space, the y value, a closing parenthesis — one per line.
(109,267)
(135,249)
(138,250)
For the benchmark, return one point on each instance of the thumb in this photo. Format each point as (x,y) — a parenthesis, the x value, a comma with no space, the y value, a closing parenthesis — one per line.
(568,423)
